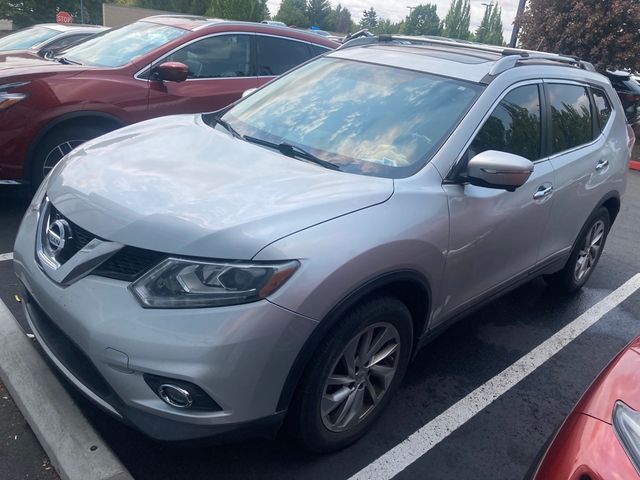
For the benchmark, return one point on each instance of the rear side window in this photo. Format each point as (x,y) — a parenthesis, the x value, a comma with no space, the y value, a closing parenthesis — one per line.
(318,50)
(513,127)
(603,107)
(222,56)
(571,122)
(277,55)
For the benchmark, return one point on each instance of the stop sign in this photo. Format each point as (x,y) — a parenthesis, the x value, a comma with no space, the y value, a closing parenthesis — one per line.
(64,17)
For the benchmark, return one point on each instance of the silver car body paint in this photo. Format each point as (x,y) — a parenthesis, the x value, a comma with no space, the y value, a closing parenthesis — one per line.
(177,186)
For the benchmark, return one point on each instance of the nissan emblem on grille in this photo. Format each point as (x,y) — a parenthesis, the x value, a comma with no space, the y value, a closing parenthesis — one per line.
(58,234)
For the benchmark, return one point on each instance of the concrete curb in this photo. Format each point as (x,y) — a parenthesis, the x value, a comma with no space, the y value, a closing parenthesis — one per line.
(76,450)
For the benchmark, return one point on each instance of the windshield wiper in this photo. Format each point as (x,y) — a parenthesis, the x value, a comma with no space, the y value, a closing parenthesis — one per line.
(66,61)
(293,151)
(224,124)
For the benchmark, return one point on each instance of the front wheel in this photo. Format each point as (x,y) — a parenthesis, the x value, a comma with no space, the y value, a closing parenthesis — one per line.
(353,376)
(55,145)
(585,254)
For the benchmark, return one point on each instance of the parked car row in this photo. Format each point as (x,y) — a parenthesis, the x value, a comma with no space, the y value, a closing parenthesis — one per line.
(157,66)
(45,39)
(276,264)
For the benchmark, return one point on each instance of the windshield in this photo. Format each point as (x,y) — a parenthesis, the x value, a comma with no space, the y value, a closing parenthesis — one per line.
(115,48)
(367,119)
(27,38)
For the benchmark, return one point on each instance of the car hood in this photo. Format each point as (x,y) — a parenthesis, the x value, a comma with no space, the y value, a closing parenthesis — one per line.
(620,380)
(176,185)
(24,64)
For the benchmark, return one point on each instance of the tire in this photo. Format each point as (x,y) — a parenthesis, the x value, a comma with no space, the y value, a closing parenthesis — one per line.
(55,145)
(584,256)
(389,322)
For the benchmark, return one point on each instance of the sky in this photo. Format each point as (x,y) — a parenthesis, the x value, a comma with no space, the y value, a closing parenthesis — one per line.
(396,10)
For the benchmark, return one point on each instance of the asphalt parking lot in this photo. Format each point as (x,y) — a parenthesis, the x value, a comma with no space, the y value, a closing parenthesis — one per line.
(502,441)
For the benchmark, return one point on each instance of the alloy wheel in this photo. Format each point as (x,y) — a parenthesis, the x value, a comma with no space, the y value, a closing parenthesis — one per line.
(360,377)
(590,250)
(56,154)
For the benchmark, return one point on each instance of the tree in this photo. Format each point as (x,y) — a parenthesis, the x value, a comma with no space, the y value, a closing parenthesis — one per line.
(195,7)
(606,33)
(369,19)
(423,20)
(456,22)
(25,13)
(293,12)
(340,19)
(319,13)
(248,10)
(386,26)
(490,30)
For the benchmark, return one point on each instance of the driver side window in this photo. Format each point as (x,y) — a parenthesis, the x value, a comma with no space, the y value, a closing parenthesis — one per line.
(513,127)
(222,56)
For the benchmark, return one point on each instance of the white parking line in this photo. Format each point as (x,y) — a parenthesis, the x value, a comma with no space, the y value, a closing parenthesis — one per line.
(6,256)
(416,445)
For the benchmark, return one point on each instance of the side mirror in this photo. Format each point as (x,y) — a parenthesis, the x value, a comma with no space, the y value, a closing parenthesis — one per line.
(48,54)
(493,169)
(172,71)
(248,92)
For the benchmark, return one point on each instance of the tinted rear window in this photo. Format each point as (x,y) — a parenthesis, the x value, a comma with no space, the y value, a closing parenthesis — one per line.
(603,107)
(570,116)
(277,55)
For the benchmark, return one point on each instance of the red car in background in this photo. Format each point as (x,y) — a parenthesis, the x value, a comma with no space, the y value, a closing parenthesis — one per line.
(600,439)
(157,66)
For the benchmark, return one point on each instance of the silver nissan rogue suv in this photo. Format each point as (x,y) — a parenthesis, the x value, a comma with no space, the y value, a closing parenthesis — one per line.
(280,262)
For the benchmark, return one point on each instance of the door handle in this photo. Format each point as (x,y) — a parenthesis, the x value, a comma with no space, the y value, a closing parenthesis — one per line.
(601,165)
(543,192)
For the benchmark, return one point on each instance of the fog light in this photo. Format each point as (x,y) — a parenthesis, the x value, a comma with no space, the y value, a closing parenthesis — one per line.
(180,393)
(175,396)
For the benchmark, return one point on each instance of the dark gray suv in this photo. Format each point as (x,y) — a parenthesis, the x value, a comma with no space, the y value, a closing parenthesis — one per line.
(283,259)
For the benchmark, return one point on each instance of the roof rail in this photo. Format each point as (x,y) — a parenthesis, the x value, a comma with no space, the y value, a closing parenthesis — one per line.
(177,15)
(511,60)
(511,57)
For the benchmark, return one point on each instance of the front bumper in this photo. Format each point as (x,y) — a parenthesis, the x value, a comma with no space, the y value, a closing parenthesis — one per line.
(100,338)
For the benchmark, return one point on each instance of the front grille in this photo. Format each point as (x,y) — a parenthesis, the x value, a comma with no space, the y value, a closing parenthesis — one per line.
(79,239)
(127,264)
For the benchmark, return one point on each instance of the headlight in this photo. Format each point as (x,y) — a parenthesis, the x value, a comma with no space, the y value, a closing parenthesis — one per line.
(10,99)
(177,283)
(626,422)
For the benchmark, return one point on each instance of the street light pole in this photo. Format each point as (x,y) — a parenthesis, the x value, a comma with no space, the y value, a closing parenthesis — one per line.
(516,24)
(410,10)
(487,6)
(81,11)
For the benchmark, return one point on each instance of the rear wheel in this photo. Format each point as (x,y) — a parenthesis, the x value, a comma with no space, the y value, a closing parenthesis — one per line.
(585,254)
(353,376)
(55,145)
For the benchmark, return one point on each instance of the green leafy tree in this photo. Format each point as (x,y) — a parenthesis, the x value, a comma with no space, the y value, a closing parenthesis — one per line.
(386,26)
(456,22)
(369,19)
(423,20)
(25,13)
(490,30)
(319,13)
(607,33)
(195,7)
(248,10)
(293,12)
(340,19)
